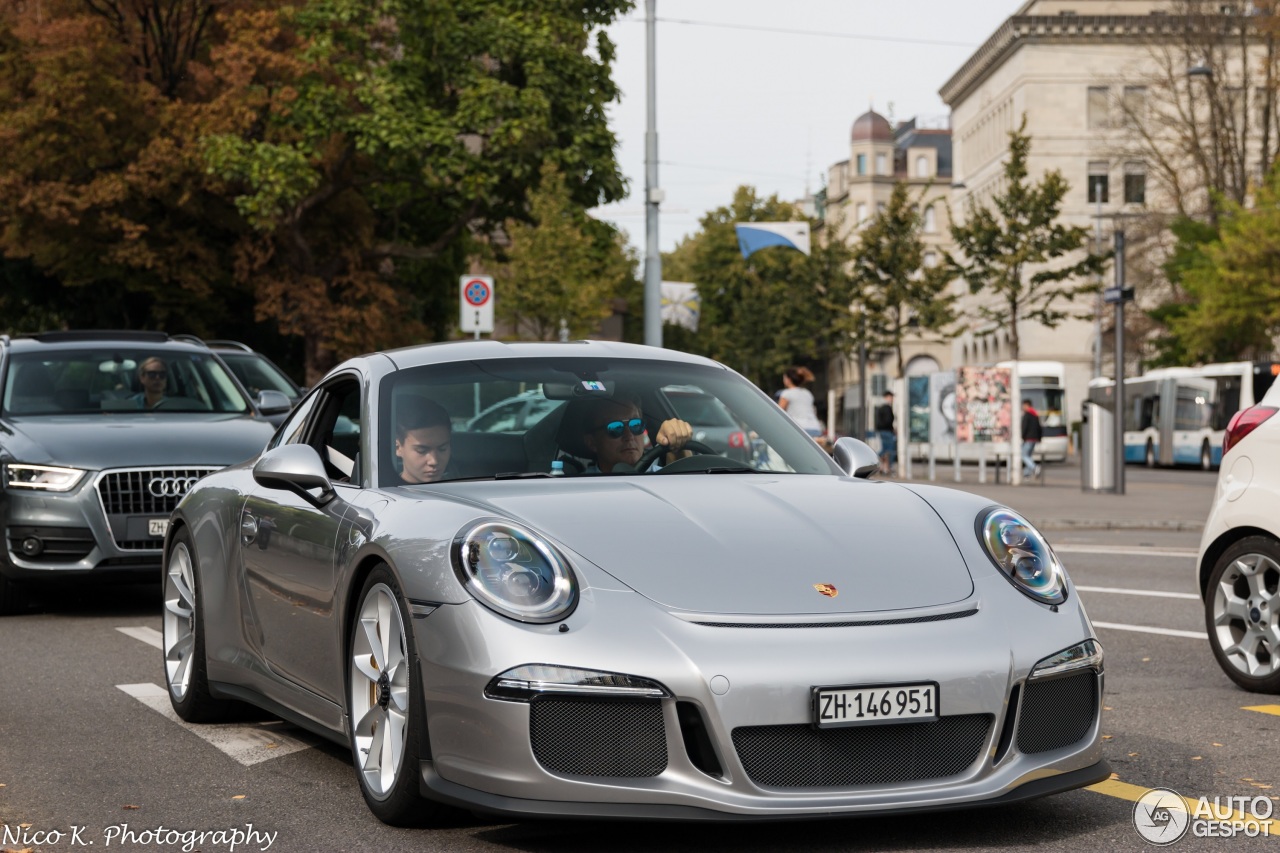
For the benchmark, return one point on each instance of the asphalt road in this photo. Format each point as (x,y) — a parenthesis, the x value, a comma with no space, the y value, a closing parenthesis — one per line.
(87,741)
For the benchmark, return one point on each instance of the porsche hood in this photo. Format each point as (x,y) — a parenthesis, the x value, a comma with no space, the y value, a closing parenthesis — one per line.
(784,545)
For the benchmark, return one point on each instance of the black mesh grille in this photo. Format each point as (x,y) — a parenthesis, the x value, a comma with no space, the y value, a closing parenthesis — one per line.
(599,737)
(800,756)
(1057,712)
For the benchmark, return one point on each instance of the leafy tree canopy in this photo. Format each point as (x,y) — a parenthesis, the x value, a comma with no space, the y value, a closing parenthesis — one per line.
(1017,251)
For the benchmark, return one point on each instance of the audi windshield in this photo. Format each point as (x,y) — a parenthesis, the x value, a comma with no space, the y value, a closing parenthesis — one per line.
(119,380)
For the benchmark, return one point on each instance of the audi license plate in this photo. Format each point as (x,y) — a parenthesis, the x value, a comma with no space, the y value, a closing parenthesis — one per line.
(834,707)
(157,526)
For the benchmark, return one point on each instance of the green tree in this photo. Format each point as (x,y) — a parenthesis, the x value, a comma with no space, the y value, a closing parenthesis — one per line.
(562,266)
(760,315)
(901,296)
(1191,240)
(1018,251)
(1233,286)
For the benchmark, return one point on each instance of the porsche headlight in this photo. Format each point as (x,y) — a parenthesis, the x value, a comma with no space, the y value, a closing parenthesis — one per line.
(1022,555)
(511,570)
(48,478)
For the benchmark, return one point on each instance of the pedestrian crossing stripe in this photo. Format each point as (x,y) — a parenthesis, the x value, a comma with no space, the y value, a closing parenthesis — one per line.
(247,743)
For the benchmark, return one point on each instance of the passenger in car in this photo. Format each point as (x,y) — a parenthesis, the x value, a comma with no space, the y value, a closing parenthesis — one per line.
(614,431)
(424,436)
(154,376)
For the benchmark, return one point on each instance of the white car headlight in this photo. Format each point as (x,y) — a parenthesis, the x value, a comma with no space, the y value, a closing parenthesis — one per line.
(1022,555)
(48,478)
(511,570)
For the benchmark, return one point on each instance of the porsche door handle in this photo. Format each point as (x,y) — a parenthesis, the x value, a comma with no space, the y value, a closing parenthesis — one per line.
(248,529)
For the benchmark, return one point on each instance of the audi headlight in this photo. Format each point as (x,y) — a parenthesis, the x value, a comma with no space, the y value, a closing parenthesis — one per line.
(45,477)
(512,571)
(1022,555)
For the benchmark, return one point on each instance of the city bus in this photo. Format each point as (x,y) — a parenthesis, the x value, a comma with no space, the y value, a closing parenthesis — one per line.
(1178,415)
(1044,383)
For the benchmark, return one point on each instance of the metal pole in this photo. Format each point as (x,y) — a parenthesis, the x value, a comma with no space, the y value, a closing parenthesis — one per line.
(1097,308)
(862,377)
(652,195)
(1119,320)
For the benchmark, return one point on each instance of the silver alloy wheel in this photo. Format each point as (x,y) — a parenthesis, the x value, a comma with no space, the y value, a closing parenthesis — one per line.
(179,620)
(1246,619)
(379,689)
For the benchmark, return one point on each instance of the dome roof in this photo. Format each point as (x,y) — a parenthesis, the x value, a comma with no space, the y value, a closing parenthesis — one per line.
(872,127)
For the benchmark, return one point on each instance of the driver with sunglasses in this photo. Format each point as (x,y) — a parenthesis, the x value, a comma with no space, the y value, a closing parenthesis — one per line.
(153,374)
(615,434)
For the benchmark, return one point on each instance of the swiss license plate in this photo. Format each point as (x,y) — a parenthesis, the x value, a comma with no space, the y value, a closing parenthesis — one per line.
(157,526)
(867,706)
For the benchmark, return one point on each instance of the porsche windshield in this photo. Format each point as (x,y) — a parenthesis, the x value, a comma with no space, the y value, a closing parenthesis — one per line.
(516,417)
(118,380)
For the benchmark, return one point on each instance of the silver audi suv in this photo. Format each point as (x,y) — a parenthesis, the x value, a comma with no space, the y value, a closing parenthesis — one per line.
(101,433)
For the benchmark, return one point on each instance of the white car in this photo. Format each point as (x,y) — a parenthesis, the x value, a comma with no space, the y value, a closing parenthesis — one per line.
(1238,570)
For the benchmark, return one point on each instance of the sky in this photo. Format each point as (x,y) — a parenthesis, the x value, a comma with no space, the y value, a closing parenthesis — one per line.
(748,102)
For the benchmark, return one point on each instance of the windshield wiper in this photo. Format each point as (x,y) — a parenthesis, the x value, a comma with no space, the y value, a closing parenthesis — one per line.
(517,475)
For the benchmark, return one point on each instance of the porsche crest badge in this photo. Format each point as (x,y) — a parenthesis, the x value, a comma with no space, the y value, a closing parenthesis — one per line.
(826,589)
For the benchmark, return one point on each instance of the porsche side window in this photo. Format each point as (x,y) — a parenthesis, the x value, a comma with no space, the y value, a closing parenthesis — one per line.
(337,434)
(293,429)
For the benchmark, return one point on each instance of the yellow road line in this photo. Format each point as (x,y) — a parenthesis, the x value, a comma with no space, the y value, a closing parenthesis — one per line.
(1133,793)
(1263,709)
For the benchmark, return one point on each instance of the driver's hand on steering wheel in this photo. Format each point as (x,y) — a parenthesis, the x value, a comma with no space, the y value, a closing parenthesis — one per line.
(675,434)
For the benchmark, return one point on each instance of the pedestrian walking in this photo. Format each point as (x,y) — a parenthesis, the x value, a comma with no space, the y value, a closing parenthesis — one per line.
(888,435)
(1031,435)
(797,400)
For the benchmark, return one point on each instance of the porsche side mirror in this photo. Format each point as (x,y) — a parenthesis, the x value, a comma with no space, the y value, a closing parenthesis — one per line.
(296,468)
(273,402)
(856,458)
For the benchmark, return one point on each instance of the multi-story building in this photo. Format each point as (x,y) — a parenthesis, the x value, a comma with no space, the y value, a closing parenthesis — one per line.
(1102,85)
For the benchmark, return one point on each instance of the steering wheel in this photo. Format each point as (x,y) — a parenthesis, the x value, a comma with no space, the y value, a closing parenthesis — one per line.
(661,449)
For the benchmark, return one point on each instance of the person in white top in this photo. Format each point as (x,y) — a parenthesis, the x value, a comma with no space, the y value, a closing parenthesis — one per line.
(797,400)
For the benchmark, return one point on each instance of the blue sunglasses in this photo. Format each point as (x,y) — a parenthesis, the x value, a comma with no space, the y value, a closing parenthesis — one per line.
(617,428)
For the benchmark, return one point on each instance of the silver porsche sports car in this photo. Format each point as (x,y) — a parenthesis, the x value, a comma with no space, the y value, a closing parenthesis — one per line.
(572,621)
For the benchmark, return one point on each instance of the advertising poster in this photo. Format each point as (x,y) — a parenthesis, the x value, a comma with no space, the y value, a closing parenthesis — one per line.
(984,410)
(918,408)
(942,408)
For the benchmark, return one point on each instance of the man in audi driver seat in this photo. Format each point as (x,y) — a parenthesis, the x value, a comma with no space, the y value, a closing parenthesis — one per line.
(91,476)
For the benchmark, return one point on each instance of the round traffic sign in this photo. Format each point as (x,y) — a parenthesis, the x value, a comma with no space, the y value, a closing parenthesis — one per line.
(477,292)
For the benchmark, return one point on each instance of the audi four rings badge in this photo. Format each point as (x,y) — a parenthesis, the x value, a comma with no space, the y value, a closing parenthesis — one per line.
(170,487)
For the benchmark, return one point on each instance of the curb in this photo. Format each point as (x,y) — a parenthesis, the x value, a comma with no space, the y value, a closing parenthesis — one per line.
(1109,524)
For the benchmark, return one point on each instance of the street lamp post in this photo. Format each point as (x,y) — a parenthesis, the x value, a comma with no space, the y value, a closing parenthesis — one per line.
(1206,73)
(652,194)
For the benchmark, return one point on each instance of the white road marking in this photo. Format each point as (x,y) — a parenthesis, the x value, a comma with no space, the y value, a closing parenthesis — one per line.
(1144,629)
(150,636)
(246,743)
(1151,592)
(1124,552)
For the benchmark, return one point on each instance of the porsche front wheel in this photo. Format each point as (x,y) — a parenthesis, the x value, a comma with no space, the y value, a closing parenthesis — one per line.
(183,639)
(385,705)
(1242,613)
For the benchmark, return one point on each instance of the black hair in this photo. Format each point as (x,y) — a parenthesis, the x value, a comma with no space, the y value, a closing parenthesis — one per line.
(419,413)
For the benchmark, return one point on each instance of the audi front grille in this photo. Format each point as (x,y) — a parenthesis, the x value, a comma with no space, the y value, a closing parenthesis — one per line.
(131,498)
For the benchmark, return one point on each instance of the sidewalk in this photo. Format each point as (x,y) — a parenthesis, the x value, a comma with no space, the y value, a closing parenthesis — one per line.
(1060,504)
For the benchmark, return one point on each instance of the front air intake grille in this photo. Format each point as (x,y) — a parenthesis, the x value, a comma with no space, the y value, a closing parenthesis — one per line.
(150,491)
(800,756)
(56,544)
(1057,712)
(599,737)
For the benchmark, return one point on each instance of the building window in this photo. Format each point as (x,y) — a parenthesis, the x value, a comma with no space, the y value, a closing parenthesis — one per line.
(930,259)
(1135,183)
(862,212)
(881,164)
(929,223)
(1135,104)
(1099,178)
(922,166)
(1099,106)
(880,208)
(862,164)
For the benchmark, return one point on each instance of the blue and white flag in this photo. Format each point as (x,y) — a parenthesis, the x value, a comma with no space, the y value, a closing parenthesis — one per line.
(753,236)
